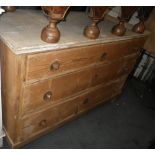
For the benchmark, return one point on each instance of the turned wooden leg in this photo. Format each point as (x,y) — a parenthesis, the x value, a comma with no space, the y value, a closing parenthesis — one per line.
(51,33)
(139,27)
(126,14)
(119,29)
(9,8)
(92,31)
(97,14)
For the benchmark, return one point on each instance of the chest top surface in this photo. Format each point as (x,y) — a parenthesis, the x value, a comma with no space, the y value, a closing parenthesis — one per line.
(21,31)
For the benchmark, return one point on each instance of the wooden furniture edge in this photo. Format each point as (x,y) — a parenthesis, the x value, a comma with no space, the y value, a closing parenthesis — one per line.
(12,68)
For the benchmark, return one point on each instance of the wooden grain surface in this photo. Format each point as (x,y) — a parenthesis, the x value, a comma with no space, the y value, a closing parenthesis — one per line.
(12,82)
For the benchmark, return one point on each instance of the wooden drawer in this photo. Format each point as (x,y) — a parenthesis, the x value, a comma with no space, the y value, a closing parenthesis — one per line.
(106,72)
(49,92)
(40,121)
(45,65)
(128,64)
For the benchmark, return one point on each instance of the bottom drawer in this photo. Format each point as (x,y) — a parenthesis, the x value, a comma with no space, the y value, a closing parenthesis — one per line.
(40,121)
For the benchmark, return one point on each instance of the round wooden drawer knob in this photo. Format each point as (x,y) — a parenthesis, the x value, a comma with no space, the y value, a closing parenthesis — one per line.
(43,123)
(48,96)
(103,56)
(55,66)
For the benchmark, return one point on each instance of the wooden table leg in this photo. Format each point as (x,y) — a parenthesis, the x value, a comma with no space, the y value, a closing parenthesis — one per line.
(97,13)
(139,27)
(51,33)
(126,14)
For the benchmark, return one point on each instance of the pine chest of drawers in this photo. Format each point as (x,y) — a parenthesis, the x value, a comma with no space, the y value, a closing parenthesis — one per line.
(45,85)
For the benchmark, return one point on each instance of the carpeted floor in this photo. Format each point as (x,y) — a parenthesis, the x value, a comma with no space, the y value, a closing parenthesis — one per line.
(128,122)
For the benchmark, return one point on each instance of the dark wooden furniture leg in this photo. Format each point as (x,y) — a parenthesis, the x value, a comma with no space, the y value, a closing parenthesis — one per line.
(126,14)
(51,33)
(140,27)
(96,15)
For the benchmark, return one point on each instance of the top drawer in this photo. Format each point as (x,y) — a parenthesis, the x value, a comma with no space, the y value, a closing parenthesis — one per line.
(45,65)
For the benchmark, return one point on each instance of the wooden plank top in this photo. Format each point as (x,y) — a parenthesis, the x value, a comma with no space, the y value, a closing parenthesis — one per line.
(21,31)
